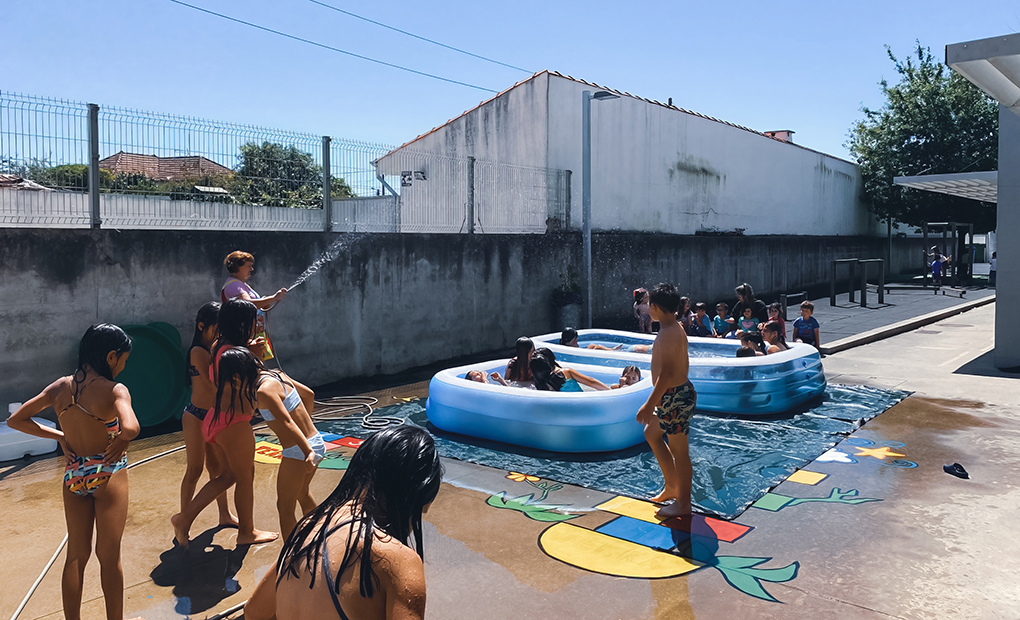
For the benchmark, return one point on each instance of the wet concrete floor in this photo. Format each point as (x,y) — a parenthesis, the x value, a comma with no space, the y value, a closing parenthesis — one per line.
(872,529)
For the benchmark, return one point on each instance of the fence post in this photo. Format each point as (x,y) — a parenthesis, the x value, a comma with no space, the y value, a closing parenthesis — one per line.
(95,220)
(471,195)
(327,186)
(864,283)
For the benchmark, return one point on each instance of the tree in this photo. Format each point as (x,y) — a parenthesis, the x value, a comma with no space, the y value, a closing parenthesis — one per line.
(275,175)
(933,122)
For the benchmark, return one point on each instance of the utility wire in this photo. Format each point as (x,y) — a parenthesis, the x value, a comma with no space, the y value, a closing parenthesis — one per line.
(411,34)
(331,48)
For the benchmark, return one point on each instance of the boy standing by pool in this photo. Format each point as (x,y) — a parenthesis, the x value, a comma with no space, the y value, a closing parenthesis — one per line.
(670,406)
(805,329)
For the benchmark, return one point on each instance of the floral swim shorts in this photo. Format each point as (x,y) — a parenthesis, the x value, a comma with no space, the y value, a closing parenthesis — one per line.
(677,408)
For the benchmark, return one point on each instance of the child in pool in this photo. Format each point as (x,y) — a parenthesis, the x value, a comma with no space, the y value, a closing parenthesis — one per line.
(203,395)
(629,376)
(517,369)
(549,375)
(644,319)
(96,425)
(751,341)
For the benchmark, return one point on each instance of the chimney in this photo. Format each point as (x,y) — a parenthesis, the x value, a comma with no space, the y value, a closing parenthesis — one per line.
(783,135)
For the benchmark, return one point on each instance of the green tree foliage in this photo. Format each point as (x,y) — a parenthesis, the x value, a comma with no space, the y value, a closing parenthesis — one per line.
(933,122)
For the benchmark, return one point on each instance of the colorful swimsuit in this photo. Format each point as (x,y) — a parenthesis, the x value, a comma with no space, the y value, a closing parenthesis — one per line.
(84,475)
(316,442)
(677,408)
(215,422)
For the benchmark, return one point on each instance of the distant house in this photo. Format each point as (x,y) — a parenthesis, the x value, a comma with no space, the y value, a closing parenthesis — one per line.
(13,181)
(163,168)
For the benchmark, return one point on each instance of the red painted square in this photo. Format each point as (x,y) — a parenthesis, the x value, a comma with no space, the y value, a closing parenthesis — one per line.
(347,442)
(708,527)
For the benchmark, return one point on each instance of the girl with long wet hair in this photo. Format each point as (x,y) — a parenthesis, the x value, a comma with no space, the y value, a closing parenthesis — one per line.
(227,429)
(96,426)
(368,522)
(196,374)
(517,369)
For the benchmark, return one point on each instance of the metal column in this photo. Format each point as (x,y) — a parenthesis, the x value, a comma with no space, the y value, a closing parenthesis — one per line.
(586,203)
(95,219)
(327,186)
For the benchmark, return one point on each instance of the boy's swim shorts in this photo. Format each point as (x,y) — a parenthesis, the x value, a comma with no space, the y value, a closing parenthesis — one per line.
(677,408)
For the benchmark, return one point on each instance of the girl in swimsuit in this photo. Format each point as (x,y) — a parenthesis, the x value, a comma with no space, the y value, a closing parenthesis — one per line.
(234,371)
(97,423)
(286,405)
(367,524)
(203,392)
(549,375)
(517,370)
(773,335)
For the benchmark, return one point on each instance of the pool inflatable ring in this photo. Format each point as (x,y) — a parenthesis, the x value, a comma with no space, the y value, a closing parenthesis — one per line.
(555,421)
(763,385)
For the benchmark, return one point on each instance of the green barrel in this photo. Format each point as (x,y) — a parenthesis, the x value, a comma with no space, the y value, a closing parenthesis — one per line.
(155,373)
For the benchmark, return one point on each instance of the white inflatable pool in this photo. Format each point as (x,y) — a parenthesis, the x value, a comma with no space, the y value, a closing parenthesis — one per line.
(556,421)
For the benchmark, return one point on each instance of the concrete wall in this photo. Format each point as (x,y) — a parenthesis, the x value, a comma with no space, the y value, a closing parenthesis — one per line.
(1007,230)
(387,303)
(659,169)
(655,168)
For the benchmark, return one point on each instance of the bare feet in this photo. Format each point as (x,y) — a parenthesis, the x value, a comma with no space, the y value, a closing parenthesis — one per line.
(180,532)
(257,537)
(663,497)
(228,520)
(674,510)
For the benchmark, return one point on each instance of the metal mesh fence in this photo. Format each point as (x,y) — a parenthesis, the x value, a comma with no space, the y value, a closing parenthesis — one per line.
(162,171)
(44,152)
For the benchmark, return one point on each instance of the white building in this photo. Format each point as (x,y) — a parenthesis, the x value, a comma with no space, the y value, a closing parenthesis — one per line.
(655,167)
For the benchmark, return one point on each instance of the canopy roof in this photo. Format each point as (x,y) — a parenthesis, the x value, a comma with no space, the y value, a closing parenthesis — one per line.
(975,185)
(993,65)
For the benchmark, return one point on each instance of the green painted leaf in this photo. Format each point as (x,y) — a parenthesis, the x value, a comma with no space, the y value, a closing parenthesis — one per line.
(746,584)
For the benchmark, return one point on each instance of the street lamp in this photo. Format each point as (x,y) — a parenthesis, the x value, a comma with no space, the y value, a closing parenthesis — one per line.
(586,98)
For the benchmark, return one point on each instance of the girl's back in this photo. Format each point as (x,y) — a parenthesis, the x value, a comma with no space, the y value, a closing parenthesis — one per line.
(84,408)
(399,569)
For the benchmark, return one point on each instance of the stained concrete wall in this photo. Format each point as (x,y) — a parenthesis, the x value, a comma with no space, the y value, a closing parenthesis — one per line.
(655,168)
(389,303)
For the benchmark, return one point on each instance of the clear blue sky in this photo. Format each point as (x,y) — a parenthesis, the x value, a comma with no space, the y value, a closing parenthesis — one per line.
(806,66)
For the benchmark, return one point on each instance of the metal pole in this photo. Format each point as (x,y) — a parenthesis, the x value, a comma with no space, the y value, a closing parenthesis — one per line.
(926,270)
(327,186)
(586,202)
(881,283)
(864,285)
(850,282)
(95,220)
(832,286)
(471,195)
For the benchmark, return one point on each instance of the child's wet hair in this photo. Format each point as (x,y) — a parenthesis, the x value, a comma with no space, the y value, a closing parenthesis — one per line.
(701,306)
(807,305)
(665,296)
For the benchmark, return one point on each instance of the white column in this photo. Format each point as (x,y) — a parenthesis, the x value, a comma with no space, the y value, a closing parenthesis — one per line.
(1007,287)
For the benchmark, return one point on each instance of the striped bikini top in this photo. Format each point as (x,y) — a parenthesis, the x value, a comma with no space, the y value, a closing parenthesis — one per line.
(112,426)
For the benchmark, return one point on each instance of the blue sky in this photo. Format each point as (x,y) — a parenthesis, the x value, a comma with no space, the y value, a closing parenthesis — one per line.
(767,65)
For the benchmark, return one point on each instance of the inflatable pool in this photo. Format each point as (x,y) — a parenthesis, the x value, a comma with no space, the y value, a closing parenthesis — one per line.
(764,385)
(556,421)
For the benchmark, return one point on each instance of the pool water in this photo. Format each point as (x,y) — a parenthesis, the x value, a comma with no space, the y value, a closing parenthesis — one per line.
(736,461)
(694,349)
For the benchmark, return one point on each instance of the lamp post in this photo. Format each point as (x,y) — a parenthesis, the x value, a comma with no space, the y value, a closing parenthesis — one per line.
(586,98)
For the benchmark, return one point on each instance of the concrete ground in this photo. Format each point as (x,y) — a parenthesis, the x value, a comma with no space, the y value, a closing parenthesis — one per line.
(895,536)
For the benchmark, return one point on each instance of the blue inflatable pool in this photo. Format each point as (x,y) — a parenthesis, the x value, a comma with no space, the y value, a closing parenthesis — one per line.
(556,421)
(764,385)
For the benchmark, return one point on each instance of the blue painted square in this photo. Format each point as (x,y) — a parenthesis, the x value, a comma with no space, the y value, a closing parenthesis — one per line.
(641,532)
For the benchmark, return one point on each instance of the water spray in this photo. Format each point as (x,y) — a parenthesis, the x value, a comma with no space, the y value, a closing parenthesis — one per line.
(331,253)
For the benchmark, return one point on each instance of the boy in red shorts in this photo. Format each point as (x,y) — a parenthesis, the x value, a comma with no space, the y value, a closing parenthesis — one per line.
(670,406)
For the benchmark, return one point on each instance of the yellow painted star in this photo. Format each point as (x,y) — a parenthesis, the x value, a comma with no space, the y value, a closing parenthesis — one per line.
(878,453)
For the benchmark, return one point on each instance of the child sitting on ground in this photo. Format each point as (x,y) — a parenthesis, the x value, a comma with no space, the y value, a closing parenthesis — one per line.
(747,324)
(776,314)
(702,323)
(722,324)
(629,376)
(805,329)
(644,319)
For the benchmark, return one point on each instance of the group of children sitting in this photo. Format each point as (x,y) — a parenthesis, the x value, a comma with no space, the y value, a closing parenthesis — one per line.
(761,329)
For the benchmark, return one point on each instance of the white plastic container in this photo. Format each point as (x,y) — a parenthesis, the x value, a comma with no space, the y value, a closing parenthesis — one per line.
(15,444)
